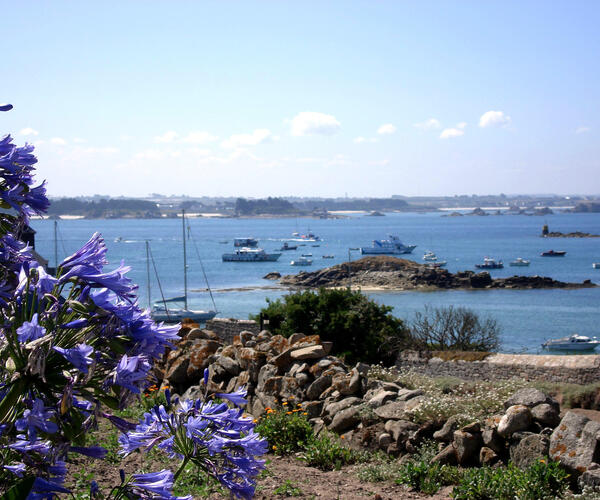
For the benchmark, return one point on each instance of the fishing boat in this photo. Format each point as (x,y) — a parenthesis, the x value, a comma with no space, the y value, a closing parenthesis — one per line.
(309,237)
(161,310)
(519,262)
(307,255)
(553,253)
(245,242)
(596,265)
(572,343)
(429,256)
(287,246)
(301,261)
(391,246)
(490,264)
(437,264)
(246,254)
(329,256)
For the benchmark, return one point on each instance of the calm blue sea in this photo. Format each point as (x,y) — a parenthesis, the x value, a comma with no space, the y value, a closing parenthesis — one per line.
(527,317)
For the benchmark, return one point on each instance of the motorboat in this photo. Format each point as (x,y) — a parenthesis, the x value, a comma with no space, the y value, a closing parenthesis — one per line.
(307,255)
(246,254)
(596,265)
(329,256)
(301,261)
(490,264)
(429,256)
(572,343)
(245,242)
(519,262)
(437,264)
(553,253)
(391,246)
(287,246)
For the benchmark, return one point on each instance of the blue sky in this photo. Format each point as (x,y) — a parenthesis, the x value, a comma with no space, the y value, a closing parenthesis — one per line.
(306,98)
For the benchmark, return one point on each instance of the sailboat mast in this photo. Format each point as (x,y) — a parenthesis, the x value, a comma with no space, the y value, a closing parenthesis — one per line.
(184,260)
(55,246)
(148,273)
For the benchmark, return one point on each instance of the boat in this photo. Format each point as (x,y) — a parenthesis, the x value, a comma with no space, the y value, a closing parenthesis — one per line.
(309,237)
(391,246)
(287,246)
(301,261)
(572,343)
(436,264)
(519,262)
(552,253)
(245,242)
(307,255)
(161,311)
(329,256)
(490,264)
(247,254)
(429,255)
(315,246)
(596,265)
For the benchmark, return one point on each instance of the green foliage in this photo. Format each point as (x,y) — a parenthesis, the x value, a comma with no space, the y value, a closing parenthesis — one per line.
(327,453)
(288,489)
(286,430)
(428,477)
(542,480)
(195,482)
(264,206)
(360,329)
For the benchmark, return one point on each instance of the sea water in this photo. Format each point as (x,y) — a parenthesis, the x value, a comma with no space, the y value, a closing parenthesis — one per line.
(527,317)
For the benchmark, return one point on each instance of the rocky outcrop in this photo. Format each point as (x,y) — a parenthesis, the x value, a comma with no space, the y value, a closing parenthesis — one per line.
(402,274)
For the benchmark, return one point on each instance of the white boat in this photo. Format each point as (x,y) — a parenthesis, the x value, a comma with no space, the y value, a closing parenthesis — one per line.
(246,254)
(596,265)
(429,256)
(301,261)
(438,263)
(391,246)
(161,311)
(489,263)
(519,262)
(572,343)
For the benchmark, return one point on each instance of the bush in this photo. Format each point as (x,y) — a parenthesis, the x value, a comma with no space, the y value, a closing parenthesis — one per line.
(456,329)
(327,453)
(542,480)
(286,430)
(360,329)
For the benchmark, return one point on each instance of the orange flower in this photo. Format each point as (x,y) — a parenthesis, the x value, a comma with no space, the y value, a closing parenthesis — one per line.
(288,412)
(284,403)
(342,437)
(305,414)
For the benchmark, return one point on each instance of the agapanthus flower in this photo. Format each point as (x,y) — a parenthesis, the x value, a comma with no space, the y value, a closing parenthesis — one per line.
(30,330)
(160,483)
(36,418)
(16,469)
(41,282)
(90,451)
(78,356)
(238,397)
(90,258)
(131,372)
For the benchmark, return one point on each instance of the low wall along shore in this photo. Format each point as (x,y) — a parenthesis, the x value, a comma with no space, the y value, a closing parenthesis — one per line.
(227,328)
(575,369)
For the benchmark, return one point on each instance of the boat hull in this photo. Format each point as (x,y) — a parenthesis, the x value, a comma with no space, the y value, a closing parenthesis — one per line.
(387,251)
(573,346)
(236,257)
(177,315)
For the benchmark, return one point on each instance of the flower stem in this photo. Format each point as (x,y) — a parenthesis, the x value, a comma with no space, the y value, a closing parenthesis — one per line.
(181,467)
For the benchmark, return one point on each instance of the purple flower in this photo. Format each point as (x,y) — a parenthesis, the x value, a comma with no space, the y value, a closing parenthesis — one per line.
(91,256)
(6,107)
(237,397)
(45,489)
(37,418)
(25,445)
(30,330)
(91,451)
(159,483)
(206,373)
(16,469)
(78,356)
(131,372)
(75,324)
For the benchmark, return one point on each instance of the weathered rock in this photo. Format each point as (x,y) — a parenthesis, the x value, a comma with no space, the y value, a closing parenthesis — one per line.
(517,418)
(311,352)
(302,378)
(318,368)
(473,428)
(493,440)
(591,477)
(406,394)
(487,456)
(296,337)
(229,365)
(381,398)
(193,392)
(290,389)
(197,333)
(274,275)
(278,344)
(177,371)
(574,443)
(246,336)
(297,367)
(391,411)
(400,429)
(251,360)
(529,449)
(267,400)
(345,419)
(327,346)
(199,358)
(446,457)
(333,408)
(318,387)
(346,384)
(446,433)
(272,386)
(546,415)
(384,440)
(266,371)
(467,447)
(312,408)
(257,408)
(530,397)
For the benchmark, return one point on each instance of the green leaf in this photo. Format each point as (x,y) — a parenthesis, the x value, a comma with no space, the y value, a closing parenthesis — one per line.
(19,491)
(9,405)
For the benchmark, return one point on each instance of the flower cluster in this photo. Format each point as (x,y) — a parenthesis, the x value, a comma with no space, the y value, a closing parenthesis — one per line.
(77,342)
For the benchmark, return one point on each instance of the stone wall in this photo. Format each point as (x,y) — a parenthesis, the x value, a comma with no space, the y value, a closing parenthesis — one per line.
(576,369)
(227,328)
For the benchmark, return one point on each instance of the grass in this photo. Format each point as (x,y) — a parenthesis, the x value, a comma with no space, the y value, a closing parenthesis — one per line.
(288,489)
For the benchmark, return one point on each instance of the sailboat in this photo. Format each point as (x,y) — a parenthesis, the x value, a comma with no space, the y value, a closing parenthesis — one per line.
(162,311)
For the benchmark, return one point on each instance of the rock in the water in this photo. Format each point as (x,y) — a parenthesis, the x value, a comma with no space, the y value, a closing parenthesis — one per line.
(529,450)
(275,275)
(530,397)
(346,419)
(517,418)
(574,442)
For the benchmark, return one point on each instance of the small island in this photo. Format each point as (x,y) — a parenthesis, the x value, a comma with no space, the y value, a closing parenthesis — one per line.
(557,234)
(392,273)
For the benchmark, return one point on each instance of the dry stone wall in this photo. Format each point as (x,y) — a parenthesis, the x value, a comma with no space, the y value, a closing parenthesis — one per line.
(576,369)
(227,328)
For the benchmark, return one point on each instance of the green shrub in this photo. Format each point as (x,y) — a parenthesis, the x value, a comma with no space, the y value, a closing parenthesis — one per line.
(360,329)
(286,430)
(542,480)
(428,477)
(288,489)
(327,453)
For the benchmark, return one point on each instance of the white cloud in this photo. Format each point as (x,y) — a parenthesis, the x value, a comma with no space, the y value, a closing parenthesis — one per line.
(361,140)
(101,150)
(199,137)
(59,141)
(494,119)
(582,130)
(461,125)
(259,136)
(431,124)
(313,123)
(169,136)
(386,128)
(78,140)
(449,133)
(28,131)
